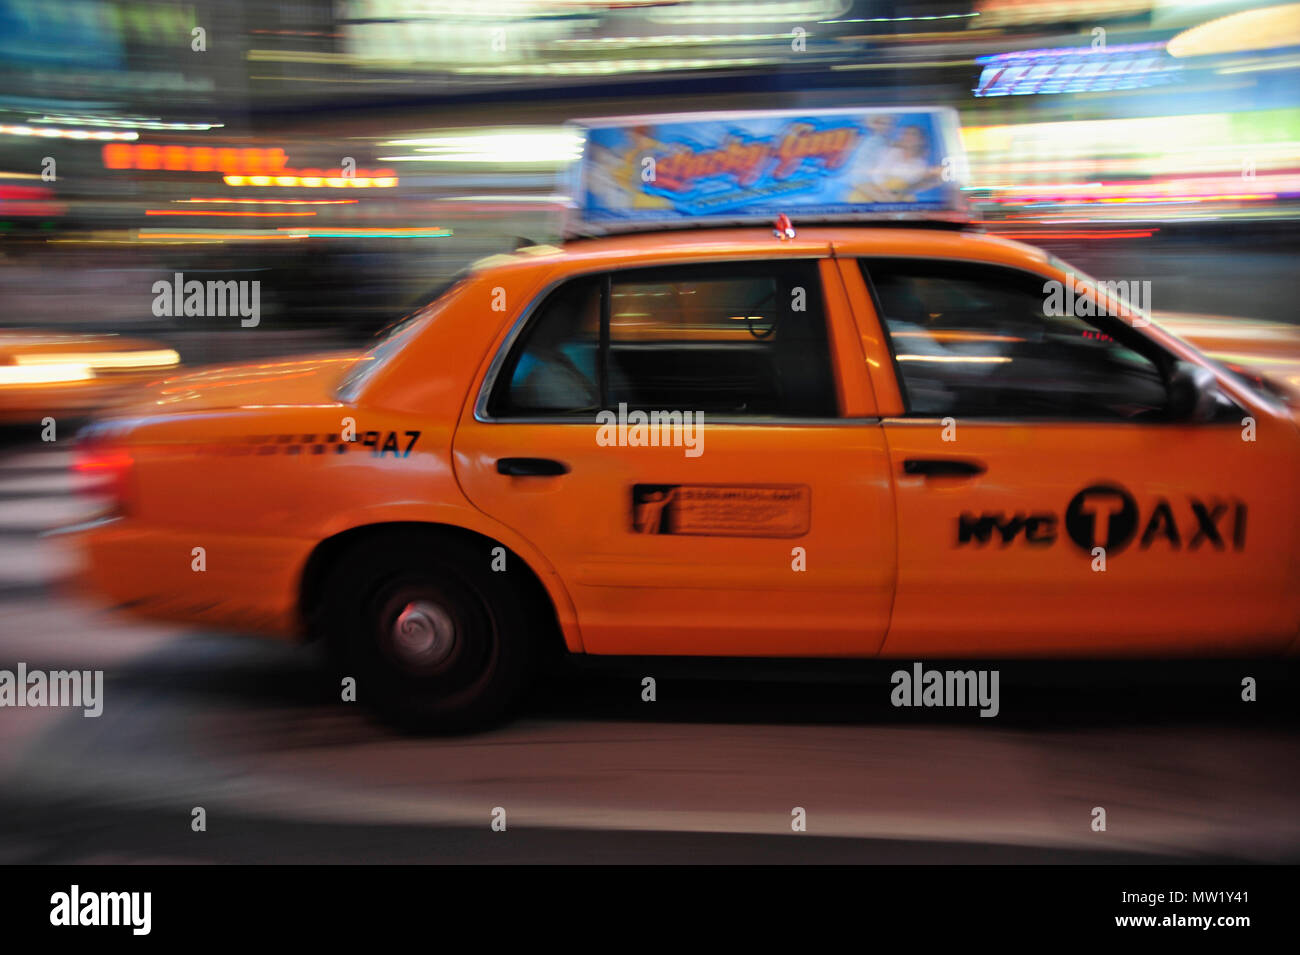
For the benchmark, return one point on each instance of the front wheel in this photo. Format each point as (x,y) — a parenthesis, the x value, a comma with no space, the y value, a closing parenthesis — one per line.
(436,640)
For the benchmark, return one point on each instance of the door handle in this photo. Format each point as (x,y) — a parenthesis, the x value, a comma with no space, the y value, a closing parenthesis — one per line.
(531,467)
(942,467)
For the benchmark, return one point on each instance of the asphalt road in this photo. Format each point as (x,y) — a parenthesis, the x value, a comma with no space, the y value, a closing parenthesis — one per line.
(709,772)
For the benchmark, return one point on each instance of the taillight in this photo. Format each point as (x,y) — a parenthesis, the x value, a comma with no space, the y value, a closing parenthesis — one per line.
(105,473)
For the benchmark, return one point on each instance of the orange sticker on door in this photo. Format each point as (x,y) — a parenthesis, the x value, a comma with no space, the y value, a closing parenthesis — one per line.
(722,510)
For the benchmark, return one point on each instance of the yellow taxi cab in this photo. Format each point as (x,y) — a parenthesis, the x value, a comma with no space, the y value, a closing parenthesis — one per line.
(857,439)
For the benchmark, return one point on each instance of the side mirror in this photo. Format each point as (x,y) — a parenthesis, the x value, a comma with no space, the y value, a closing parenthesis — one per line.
(1193,393)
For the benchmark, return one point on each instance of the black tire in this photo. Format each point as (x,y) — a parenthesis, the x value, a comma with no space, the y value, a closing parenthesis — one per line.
(437,640)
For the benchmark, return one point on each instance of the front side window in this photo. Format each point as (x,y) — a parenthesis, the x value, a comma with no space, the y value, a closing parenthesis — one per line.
(729,339)
(983,341)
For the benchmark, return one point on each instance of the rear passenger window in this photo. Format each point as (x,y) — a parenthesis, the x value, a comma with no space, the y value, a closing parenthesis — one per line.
(729,339)
(553,368)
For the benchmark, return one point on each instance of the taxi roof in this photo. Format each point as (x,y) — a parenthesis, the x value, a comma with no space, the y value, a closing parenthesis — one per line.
(629,250)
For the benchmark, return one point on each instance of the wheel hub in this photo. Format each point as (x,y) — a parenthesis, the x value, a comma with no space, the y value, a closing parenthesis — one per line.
(423,634)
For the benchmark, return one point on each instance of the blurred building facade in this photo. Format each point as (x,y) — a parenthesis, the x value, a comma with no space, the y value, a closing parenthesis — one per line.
(355,153)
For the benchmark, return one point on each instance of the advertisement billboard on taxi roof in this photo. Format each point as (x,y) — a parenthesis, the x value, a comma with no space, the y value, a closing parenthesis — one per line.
(694,169)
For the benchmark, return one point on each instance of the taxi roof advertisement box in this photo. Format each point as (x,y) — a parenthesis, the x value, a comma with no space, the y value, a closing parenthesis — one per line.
(698,169)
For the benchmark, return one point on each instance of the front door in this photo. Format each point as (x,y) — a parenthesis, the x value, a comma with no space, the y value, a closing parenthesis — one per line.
(1047,505)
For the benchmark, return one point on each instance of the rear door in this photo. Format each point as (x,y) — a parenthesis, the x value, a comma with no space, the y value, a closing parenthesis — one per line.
(693,448)
(1045,503)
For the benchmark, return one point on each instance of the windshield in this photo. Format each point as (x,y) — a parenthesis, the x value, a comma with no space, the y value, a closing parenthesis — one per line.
(1255,381)
(1248,378)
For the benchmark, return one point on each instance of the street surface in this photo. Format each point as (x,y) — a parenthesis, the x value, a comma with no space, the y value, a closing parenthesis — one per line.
(710,772)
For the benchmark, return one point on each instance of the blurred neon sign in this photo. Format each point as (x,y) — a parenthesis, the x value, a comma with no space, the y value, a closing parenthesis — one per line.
(239,165)
(1076,69)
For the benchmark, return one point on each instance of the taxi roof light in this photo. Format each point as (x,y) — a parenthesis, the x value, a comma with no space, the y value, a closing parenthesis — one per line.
(104,471)
(691,170)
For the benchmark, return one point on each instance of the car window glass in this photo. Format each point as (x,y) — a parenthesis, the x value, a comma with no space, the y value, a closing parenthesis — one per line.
(553,369)
(393,338)
(976,340)
(744,339)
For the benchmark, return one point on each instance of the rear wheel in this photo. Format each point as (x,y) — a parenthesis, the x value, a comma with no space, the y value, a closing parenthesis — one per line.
(436,640)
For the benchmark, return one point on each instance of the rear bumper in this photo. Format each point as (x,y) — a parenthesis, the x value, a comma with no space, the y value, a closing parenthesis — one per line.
(236,582)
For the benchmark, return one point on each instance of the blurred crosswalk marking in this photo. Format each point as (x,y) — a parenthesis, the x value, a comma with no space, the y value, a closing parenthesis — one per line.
(38,492)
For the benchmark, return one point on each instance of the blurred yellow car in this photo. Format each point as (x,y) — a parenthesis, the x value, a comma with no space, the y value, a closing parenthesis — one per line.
(46,374)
